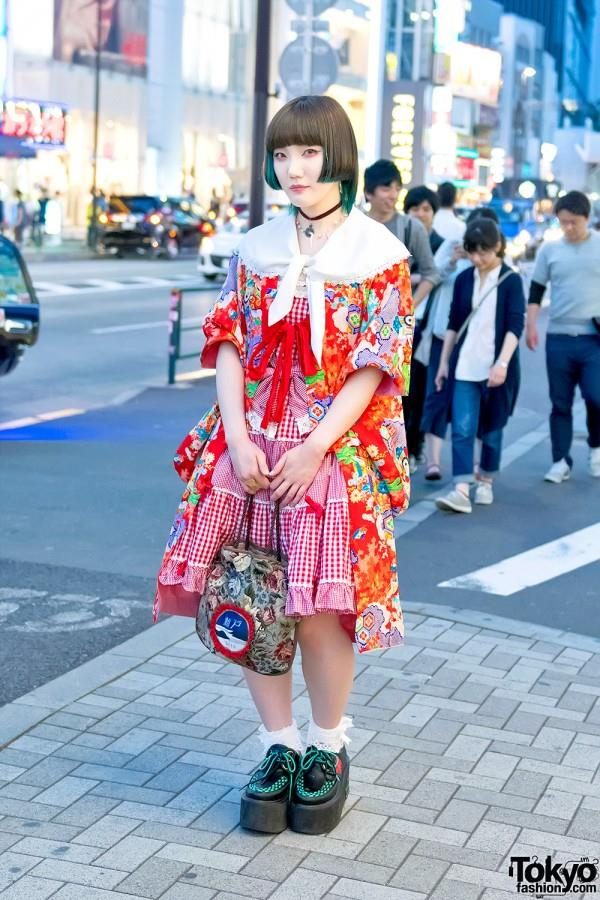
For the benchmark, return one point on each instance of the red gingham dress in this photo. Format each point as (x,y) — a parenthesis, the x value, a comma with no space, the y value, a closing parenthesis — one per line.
(316,543)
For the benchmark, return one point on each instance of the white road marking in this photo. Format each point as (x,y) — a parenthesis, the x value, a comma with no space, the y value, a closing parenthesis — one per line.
(42,417)
(100,285)
(196,374)
(50,287)
(63,612)
(535,566)
(142,326)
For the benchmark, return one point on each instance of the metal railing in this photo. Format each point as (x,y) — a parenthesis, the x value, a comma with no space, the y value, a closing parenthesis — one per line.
(176,329)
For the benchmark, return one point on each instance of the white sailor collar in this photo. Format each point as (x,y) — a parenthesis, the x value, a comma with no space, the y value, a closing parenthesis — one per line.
(359,249)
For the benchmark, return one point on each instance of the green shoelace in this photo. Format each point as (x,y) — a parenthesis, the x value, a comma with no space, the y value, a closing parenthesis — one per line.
(285,758)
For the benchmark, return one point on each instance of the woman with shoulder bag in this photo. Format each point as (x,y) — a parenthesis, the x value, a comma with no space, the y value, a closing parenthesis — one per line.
(311,338)
(480,362)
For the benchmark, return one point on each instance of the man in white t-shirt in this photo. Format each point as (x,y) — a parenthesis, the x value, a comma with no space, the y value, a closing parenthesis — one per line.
(445,222)
(572,268)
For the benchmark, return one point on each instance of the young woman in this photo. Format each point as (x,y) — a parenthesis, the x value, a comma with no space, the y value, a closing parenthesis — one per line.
(480,359)
(450,259)
(311,339)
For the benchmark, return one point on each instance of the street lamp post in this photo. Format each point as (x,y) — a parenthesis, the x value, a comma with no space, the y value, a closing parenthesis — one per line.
(259,116)
(93,232)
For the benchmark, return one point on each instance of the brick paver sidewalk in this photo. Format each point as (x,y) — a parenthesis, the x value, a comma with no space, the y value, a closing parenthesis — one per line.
(481,740)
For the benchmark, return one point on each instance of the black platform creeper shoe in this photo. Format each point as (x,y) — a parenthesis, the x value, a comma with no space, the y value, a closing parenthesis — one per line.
(320,791)
(264,805)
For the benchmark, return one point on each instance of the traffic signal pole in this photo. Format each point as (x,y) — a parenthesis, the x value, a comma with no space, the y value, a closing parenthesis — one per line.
(259,116)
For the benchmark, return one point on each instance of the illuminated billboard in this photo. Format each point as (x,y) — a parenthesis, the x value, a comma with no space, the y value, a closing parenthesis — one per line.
(123,33)
(475,73)
(42,125)
(402,118)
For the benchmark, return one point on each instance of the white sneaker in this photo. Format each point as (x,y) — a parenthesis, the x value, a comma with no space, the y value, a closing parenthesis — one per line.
(559,472)
(455,501)
(412,464)
(595,462)
(484,495)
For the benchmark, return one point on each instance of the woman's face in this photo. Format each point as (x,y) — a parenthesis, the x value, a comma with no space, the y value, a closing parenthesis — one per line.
(298,169)
(485,260)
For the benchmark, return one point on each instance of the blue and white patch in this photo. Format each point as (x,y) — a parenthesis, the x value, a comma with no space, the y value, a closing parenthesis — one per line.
(232,630)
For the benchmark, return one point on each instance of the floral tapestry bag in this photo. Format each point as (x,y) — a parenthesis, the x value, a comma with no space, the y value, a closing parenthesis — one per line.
(241,615)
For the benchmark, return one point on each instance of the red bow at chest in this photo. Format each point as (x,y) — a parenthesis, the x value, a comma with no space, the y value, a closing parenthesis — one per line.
(280,339)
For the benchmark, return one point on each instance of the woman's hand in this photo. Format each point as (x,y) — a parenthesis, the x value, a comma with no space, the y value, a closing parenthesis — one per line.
(442,375)
(294,473)
(497,375)
(250,465)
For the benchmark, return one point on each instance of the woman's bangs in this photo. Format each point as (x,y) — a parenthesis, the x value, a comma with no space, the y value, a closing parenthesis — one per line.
(291,127)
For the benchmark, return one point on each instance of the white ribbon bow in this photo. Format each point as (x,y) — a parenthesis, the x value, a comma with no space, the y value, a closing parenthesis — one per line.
(315,286)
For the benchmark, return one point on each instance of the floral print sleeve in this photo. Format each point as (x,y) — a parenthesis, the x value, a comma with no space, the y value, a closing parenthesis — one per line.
(386,332)
(225,322)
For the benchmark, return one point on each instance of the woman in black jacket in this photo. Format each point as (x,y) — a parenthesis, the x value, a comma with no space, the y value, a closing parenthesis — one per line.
(480,359)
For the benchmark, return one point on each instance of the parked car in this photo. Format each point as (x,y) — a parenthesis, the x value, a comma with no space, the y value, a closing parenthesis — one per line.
(159,226)
(19,307)
(217,250)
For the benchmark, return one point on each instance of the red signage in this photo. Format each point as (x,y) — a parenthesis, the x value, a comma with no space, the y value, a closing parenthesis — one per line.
(41,124)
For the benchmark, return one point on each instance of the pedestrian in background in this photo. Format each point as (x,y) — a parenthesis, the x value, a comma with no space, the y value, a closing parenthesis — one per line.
(451,259)
(421,204)
(445,221)
(571,267)
(20,218)
(311,342)
(383,183)
(480,360)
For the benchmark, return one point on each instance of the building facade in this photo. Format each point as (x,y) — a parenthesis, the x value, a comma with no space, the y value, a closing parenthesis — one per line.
(174,99)
(569,27)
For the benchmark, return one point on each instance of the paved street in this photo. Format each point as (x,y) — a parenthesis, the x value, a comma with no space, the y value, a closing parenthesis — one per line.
(103,335)
(121,777)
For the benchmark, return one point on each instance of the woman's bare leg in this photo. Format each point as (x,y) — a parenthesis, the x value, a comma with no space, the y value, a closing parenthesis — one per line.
(272,695)
(328,666)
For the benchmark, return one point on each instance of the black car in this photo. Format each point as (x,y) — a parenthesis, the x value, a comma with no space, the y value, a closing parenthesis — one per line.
(159,226)
(19,307)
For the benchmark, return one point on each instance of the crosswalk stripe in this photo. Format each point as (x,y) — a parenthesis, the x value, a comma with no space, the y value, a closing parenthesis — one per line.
(142,326)
(96,285)
(535,566)
(41,417)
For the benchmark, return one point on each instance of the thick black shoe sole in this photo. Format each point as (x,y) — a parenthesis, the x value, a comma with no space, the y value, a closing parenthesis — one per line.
(318,818)
(269,816)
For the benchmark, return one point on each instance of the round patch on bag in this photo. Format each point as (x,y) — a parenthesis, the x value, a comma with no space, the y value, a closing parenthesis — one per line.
(232,630)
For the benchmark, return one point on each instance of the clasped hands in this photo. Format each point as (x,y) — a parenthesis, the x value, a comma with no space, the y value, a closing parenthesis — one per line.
(290,478)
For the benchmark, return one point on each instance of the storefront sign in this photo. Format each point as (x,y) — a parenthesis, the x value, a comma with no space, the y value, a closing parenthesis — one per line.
(466,165)
(475,73)
(33,123)
(403,127)
(123,33)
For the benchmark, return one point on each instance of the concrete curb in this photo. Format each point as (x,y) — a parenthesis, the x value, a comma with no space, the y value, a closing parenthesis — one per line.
(31,709)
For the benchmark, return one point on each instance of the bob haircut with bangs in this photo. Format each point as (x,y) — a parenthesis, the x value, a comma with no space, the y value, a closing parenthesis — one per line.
(322,122)
(483,234)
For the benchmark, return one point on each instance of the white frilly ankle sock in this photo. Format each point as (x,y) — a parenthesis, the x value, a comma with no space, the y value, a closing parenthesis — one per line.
(288,736)
(329,738)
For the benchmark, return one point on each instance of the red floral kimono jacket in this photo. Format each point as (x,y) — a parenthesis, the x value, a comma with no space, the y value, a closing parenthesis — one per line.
(361,314)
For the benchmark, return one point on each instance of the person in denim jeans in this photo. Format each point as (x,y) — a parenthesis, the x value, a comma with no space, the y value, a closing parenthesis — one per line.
(480,362)
(572,268)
